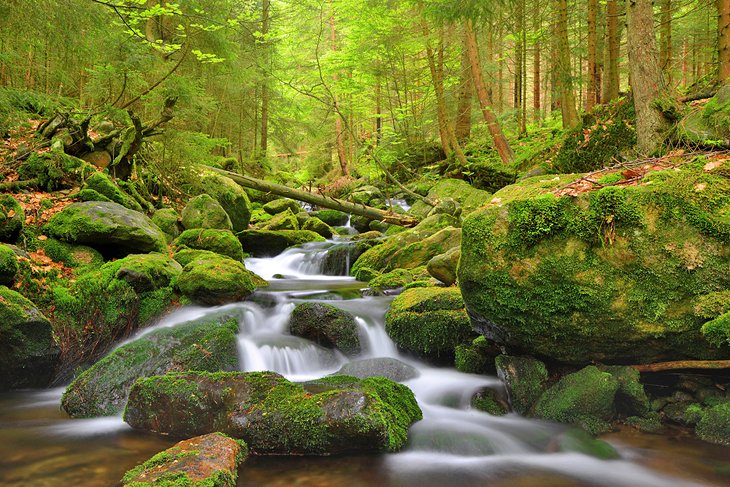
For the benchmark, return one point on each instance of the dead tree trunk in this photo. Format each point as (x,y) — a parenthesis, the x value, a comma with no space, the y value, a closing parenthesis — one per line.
(320,200)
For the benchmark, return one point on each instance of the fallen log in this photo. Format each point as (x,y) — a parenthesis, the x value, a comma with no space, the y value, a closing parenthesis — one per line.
(683,364)
(320,200)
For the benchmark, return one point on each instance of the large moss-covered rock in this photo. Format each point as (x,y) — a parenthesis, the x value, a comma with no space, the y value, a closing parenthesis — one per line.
(318,226)
(102,390)
(221,242)
(210,460)
(408,250)
(584,398)
(286,220)
(27,354)
(74,256)
(147,272)
(275,416)
(231,197)
(326,325)
(714,424)
(213,280)
(205,212)
(281,205)
(103,185)
(107,226)
(12,218)
(710,124)
(428,321)
(460,191)
(8,265)
(168,221)
(333,218)
(525,379)
(476,357)
(443,266)
(267,243)
(611,275)
(631,398)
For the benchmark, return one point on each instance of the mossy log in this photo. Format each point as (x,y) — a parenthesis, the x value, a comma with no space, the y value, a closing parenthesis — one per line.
(320,200)
(683,364)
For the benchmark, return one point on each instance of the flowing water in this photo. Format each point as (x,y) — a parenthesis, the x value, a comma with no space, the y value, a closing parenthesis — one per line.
(452,445)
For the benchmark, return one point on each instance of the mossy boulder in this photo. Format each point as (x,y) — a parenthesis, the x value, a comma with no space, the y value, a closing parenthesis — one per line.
(285,220)
(326,325)
(397,278)
(584,398)
(267,243)
(428,321)
(186,256)
(468,197)
(102,390)
(491,401)
(8,265)
(525,379)
(147,272)
(54,170)
(74,256)
(318,226)
(281,205)
(28,355)
(210,460)
(102,184)
(387,367)
(610,275)
(107,227)
(476,357)
(710,124)
(631,398)
(168,220)
(364,195)
(275,416)
(213,280)
(205,212)
(340,257)
(333,218)
(221,242)
(714,424)
(12,219)
(443,266)
(231,197)
(408,250)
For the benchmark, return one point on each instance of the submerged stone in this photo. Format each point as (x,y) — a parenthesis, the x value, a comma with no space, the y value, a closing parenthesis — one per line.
(387,367)
(102,390)
(210,460)
(273,415)
(268,243)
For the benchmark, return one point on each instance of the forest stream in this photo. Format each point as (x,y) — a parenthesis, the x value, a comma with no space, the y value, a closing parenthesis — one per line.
(452,445)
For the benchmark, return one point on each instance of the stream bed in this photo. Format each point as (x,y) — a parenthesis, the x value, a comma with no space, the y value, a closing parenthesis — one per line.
(452,445)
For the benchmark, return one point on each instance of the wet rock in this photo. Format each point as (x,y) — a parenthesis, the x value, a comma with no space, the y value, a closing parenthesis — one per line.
(205,212)
(525,379)
(326,325)
(476,357)
(281,205)
(389,368)
(584,398)
(102,390)
(318,226)
(211,460)
(428,321)
(108,226)
(273,415)
(714,424)
(8,265)
(491,401)
(285,220)
(268,243)
(365,194)
(443,266)
(631,399)
(215,279)
(28,355)
(576,440)
(231,197)
(221,242)
(169,222)
(12,219)
(333,218)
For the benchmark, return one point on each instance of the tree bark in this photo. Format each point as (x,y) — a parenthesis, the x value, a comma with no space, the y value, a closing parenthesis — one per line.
(537,27)
(265,25)
(500,141)
(592,57)
(647,82)
(665,40)
(611,83)
(466,95)
(723,38)
(320,200)
(683,364)
(565,77)
(339,134)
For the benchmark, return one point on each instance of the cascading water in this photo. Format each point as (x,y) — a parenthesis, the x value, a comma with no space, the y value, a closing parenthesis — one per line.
(452,445)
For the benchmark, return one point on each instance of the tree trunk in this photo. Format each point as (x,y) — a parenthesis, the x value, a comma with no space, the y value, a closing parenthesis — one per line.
(647,82)
(683,364)
(665,40)
(723,38)
(537,27)
(565,78)
(466,95)
(611,82)
(339,134)
(320,200)
(592,57)
(500,141)
(265,23)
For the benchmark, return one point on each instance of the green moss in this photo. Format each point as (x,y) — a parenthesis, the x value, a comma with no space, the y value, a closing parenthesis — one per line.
(281,205)
(271,242)
(471,360)
(167,220)
(12,219)
(489,401)
(714,425)
(430,321)
(717,331)
(75,256)
(186,256)
(231,197)
(525,379)
(216,280)
(318,226)
(8,265)
(87,194)
(285,220)
(326,325)
(221,242)
(54,170)
(205,212)
(334,218)
(103,184)
(391,280)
